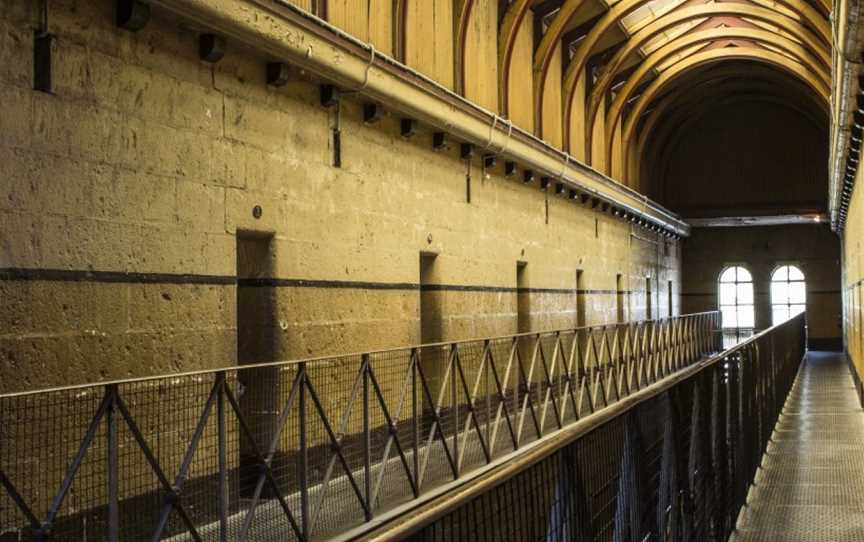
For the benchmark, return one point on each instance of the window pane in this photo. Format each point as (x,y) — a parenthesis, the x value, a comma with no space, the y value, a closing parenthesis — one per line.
(796,309)
(745,294)
(727,294)
(781,274)
(795,273)
(779,314)
(728,275)
(744,275)
(729,317)
(779,293)
(797,292)
(745,316)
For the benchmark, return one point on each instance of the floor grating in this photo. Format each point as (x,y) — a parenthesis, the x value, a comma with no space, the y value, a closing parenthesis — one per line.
(811,484)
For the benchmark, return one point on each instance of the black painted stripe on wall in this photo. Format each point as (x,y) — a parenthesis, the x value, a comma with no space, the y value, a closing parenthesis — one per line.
(67,275)
(311,283)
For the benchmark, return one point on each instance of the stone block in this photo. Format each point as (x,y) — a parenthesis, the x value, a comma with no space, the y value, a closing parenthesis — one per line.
(18,117)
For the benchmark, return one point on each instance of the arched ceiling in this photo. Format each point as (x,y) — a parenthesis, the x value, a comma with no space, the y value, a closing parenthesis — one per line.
(628,61)
(679,116)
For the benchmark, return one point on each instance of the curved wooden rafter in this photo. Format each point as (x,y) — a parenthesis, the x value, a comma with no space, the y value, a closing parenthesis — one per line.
(399,19)
(541,65)
(808,15)
(510,26)
(675,46)
(674,18)
(463,12)
(544,53)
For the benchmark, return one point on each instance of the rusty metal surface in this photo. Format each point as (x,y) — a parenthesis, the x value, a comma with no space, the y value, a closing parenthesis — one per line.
(811,484)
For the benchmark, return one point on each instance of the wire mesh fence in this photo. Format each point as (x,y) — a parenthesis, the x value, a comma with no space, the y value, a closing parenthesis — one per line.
(675,465)
(304,450)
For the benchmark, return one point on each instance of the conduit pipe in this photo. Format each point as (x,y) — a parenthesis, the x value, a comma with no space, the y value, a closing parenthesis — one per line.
(846,26)
(287,33)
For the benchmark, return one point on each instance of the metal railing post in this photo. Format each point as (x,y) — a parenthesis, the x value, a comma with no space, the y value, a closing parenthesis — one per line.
(222,451)
(367,440)
(304,455)
(113,465)
(415,416)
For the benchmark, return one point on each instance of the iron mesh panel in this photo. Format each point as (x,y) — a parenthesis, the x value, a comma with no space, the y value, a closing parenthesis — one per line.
(308,449)
(675,466)
(395,456)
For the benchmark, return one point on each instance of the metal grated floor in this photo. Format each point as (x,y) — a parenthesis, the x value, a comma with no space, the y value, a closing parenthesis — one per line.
(811,484)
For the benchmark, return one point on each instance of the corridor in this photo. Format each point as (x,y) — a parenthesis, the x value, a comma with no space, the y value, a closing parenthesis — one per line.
(809,486)
(431,270)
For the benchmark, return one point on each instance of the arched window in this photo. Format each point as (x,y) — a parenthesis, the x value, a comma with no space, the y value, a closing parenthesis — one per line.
(736,298)
(788,293)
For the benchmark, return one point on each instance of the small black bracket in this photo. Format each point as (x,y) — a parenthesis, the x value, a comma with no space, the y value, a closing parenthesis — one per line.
(278,74)
(329,95)
(211,48)
(372,113)
(407,127)
(132,15)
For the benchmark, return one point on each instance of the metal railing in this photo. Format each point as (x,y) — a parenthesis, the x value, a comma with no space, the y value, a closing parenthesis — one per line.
(672,462)
(309,449)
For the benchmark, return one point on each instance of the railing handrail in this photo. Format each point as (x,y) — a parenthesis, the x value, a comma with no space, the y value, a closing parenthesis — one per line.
(335,435)
(537,451)
(330,357)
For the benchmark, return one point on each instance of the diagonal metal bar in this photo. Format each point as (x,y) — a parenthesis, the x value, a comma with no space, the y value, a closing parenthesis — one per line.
(19,500)
(57,501)
(266,475)
(502,406)
(152,461)
(343,426)
(472,412)
(436,428)
(567,368)
(171,500)
(337,446)
(549,396)
(527,401)
(393,437)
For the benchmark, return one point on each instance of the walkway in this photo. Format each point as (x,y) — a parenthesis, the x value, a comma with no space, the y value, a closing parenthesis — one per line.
(811,485)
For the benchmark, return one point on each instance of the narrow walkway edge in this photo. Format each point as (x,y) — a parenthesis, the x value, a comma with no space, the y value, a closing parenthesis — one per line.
(811,482)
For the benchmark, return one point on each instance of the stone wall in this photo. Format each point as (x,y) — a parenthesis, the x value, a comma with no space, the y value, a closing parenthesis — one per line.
(853,284)
(123,191)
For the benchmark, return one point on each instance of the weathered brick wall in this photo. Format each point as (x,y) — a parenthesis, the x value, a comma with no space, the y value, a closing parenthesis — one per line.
(121,194)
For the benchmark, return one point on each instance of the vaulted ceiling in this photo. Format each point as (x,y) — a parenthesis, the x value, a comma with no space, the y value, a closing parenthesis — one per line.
(636,67)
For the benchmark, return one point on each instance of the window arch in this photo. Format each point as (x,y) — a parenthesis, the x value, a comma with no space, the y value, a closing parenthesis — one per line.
(788,293)
(736,298)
